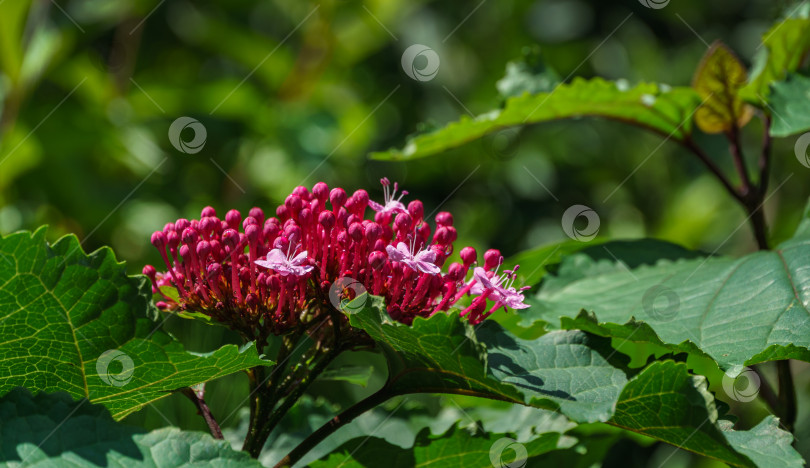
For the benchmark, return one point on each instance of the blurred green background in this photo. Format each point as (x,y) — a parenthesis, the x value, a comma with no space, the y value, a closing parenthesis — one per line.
(294,92)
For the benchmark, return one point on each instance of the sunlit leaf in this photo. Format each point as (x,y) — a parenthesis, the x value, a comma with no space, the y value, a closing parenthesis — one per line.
(718,79)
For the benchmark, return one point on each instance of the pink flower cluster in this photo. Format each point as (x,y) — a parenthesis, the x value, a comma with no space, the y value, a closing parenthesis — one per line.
(257,272)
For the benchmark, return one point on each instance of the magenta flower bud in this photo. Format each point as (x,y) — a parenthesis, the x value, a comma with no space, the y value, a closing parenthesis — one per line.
(327,220)
(468,256)
(379,245)
(159,240)
(271,230)
(376,259)
(207,225)
(282,212)
(184,251)
(173,239)
(168,227)
(230,238)
(338,198)
(150,271)
(455,272)
(257,213)
(352,218)
(233,218)
(343,217)
(373,232)
(293,203)
(208,211)
(293,233)
(274,283)
(416,210)
(356,232)
(281,243)
(362,197)
(181,224)
(161,305)
(301,192)
(321,191)
(305,217)
(343,239)
(214,270)
(189,236)
(203,249)
(252,300)
(250,220)
(444,219)
(451,231)
(442,236)
(492,258)
(403,222)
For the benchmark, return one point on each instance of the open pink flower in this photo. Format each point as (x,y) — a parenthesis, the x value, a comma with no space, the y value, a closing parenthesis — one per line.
(508,296)
(392,205)
(286,265)
(423,261)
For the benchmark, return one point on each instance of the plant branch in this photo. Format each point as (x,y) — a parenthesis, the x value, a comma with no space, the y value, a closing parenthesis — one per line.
(787,394)
(765,156)
(766,391)
(197,398)
(747,190)
(713,168)
(345,417)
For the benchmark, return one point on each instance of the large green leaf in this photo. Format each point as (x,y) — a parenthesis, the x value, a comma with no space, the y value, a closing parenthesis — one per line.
(789,103)
(737,311)
(456,447)
(77,323)
(667,403)
(576,372)
(53,430)
(663,109)
(785,44)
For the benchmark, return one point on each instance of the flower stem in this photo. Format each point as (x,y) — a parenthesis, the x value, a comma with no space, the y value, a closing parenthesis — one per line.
(345,417)
(202,409)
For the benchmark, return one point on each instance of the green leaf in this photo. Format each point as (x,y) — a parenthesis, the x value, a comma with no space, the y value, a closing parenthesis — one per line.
(533,262)
(789,103)
(784,46)
(357,375)
(666,403)
(660,108)
(572,371)
(77,323)
(12,23)
(718,80)
(456,447)
(737,311)
(54,430)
